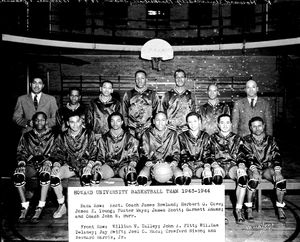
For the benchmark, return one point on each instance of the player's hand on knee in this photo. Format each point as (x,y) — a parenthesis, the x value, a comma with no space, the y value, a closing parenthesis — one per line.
(277,176)
(241,171)
(87,171)
(207,171)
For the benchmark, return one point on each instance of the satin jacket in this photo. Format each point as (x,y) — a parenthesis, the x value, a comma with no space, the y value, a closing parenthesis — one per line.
(118,151)
(62,115)
(194,151)
(75,152)
(227,150)
(177,106)
(156,148)
(139,108)
(210,114)
(98,113)
(34,148)
(263,153)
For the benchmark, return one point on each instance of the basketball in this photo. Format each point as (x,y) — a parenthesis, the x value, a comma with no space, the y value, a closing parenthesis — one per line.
(162,172)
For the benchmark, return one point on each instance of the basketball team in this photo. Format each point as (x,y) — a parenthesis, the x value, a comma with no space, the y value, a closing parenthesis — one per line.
(146,140)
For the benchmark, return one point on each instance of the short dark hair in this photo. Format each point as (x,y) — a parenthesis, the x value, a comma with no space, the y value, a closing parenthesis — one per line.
(140,71)
(162,113)
(193,114)
(36,77)
(73,114)
(107,81)
(179,70)
(252,120)
(74,89)
(212,84)
(115,114)
(34,117)
(223,115)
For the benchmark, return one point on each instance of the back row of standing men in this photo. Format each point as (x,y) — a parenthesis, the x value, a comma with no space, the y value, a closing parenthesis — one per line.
(140,105)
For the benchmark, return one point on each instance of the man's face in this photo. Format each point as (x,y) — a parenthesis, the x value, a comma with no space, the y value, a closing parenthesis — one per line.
(74,97)
(40,122)
(160,121)
(251,89)
(212,92)
(194,123)
(116,122)
(140,80)
(225,124)
(106,89)
(37,85)
(257,128)
(75,123)
(180,79)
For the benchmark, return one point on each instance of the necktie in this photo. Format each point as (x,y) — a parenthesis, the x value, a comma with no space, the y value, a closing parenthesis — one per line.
(252,103)
(35,102)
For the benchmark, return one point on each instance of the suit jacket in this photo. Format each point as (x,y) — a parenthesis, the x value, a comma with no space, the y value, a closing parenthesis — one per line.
(242,113)
(24,110)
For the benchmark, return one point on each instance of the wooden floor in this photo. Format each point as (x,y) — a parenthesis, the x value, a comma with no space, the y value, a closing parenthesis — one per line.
(265,228)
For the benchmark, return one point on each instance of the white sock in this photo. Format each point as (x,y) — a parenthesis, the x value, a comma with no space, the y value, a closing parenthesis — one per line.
(239,206)
(25,205)
(41,204)
(61,200)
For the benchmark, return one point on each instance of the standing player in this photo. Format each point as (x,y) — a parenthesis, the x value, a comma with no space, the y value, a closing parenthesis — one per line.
(73,105)
(118,151)
(265,163)
(100,108)
(195,151)
(211,110)
(139,105)
(178,102)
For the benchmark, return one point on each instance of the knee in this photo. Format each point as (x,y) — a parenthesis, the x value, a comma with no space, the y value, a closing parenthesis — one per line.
(217,180)
(86,180)
(252,184)
(207,181)
(242,181)
(281,185)
(55,181)
(19,180)
(96,178)
(180,180)
(142,180)
(44,178)
(131,178)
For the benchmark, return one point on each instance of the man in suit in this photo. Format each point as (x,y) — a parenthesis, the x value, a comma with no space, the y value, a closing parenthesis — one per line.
(36,101)
(249,107)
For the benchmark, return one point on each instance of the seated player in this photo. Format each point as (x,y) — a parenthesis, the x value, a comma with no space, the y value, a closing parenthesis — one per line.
(74,153)
(32,155)
(195,151)
(265,163)
(118,151)
(227,151)
(159,144)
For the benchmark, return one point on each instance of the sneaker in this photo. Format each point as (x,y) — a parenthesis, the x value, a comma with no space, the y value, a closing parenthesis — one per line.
(36,217)
(22,218)
(281,214)
(250,215)
(239,215)
(60,211)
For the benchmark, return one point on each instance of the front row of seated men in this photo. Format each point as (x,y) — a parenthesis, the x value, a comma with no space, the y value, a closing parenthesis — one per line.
(193,153)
